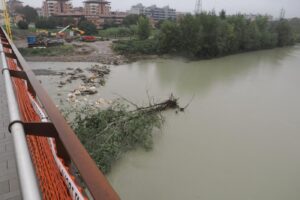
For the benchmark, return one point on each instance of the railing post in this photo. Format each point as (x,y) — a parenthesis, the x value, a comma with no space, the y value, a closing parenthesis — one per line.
(28,181)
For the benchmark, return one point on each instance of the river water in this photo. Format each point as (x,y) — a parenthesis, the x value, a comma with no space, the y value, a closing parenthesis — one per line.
(238,139)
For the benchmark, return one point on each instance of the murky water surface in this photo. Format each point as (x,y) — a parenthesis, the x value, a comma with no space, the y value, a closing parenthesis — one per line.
(238,139)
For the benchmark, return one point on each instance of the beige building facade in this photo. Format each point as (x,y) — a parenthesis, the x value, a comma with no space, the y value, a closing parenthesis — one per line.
(51,7)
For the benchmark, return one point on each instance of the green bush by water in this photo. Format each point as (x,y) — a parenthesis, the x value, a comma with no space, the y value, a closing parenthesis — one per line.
(208,35)
(108,134)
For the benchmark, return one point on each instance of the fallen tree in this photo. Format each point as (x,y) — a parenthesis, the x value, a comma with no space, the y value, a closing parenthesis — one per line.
(108,133)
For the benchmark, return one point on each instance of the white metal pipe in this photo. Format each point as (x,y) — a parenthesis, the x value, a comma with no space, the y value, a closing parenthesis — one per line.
(27,177)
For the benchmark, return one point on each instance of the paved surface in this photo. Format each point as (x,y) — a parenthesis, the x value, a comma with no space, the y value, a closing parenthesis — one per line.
(9,184)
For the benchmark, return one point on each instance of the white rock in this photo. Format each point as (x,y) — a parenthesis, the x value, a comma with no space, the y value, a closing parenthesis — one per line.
(77,92)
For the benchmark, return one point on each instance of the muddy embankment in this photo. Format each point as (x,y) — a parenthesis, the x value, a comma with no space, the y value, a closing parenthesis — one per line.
(99,51)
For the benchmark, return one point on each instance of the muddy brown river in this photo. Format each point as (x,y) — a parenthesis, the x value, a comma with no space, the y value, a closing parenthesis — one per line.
(239,139)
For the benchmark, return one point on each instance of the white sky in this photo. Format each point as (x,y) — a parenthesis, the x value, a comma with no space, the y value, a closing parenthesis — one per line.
(272,7)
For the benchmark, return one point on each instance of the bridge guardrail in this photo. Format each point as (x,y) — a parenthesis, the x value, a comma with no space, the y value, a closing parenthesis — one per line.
(68,145)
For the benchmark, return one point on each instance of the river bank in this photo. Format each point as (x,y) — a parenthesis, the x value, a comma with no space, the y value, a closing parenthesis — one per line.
(99,52)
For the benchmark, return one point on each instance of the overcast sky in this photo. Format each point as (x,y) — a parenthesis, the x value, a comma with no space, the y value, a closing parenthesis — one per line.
(272,7)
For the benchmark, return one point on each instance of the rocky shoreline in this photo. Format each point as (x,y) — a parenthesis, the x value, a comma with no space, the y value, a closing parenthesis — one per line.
(97,52)
(103,59)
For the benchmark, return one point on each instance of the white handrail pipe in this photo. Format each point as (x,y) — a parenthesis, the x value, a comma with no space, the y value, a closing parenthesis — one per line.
(27,177)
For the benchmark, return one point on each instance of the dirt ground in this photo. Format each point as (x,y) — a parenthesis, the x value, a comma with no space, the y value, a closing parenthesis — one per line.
(99,51)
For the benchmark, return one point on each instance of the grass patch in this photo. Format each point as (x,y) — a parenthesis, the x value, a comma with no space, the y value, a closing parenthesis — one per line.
(149,46)
(50,51)
(118,32)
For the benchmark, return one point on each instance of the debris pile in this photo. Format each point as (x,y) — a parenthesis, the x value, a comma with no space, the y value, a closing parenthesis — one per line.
(91,79)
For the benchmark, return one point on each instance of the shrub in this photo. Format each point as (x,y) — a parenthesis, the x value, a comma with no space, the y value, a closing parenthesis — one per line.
(149,46)
(22,24)
(88,27)
(144,28)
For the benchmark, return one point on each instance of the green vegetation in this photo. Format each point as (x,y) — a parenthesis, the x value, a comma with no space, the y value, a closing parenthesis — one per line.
(28,12)
(22,24)
(131,20)
(136,46)
(144,29)
(128,29)
(295,25)
(50,51)
(208,35)
(88,27)
(118,32)
(46,23)
(53,22)
(108,134)
(109,23)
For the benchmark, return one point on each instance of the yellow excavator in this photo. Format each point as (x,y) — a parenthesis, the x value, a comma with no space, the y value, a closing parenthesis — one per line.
(6,19)
(70,28)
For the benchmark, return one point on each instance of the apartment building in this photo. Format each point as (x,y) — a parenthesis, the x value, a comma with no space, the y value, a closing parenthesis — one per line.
(55,7)
(96,7)
(154,12)
(157,13)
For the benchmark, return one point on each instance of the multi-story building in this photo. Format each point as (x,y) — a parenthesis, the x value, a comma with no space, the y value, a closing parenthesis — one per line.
(117,17)
(78,10)
(56,7)
(96,11)
(154,12)
(96,7)
(157,13)
(137,9)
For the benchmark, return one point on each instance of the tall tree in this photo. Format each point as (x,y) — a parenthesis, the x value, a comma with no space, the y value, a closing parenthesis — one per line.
(144,28)
(30,14)
(131,19)
(169,38)
(284,31)
(223,14)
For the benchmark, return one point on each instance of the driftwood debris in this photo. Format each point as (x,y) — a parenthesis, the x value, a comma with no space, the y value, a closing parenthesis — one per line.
(170,103)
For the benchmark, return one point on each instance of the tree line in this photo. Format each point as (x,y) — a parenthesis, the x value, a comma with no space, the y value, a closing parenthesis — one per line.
(30,15)
(209,35)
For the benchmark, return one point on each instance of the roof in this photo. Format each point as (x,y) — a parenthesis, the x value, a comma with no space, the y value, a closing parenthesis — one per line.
(97,1)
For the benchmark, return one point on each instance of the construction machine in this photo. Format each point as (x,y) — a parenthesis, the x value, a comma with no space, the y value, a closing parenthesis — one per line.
(71,29)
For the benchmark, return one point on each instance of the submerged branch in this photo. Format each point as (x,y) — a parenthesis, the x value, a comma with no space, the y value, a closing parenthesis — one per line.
(109,133)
